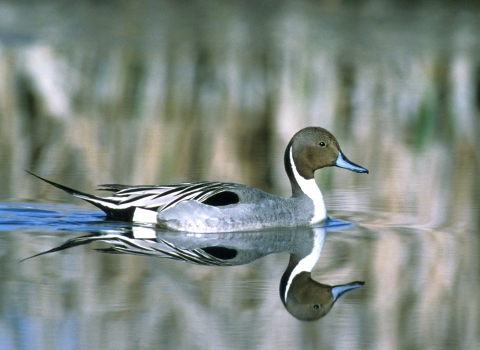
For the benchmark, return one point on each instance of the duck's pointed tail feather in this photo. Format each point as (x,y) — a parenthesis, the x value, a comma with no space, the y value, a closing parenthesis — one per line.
(109,206)
(64,188)
(74,242)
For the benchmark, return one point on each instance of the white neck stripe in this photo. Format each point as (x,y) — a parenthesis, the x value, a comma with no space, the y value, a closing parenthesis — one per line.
(310,188)
(308,262)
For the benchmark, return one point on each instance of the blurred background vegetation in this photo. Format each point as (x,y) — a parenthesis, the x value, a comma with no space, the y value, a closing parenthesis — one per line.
(155,92)
(145,92)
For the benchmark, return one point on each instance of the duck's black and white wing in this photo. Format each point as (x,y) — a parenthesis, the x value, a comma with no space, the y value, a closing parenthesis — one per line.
(141,203)
(165,196)
(126,245)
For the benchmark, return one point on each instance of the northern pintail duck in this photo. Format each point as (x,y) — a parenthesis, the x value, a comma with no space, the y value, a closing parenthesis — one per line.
(226,206)
(302,296)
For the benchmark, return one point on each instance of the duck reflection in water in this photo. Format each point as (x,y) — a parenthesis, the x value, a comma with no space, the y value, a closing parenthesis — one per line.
(302,296)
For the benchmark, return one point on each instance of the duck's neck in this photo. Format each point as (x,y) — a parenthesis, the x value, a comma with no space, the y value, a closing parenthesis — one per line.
(302,261)
(305,187)
(300,185)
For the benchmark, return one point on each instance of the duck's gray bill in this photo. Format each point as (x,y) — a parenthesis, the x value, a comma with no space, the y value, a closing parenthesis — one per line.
(338,291)
(343,162)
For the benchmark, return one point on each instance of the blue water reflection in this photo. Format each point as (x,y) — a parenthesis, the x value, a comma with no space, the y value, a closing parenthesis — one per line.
(302,296)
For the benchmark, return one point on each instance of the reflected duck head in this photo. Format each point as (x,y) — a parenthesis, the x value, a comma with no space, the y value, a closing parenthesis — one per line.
(309,300)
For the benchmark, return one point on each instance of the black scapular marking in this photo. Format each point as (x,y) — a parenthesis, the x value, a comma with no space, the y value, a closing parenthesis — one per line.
(222,253)
(222,198)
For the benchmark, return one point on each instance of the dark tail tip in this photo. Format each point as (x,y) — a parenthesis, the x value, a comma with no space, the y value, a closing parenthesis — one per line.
(57,185)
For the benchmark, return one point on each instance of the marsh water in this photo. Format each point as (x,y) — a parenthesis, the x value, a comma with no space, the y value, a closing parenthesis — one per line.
(419,289)
(153,92)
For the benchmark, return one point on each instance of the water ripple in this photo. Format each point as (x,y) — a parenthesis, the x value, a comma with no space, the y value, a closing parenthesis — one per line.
(34,216)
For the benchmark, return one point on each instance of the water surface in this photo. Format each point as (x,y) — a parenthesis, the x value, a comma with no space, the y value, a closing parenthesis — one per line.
(418,289)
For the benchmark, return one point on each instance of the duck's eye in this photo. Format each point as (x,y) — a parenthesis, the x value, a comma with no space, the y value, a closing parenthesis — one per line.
(322,144)
(315,306)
